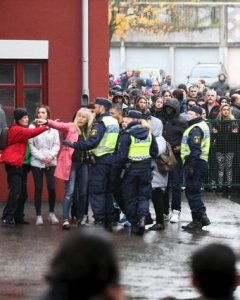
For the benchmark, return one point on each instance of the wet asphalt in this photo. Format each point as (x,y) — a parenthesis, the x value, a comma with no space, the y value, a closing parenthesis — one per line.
(153,266)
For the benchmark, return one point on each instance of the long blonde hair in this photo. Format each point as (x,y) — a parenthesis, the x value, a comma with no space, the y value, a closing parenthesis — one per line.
(86,112)
(146,124)
(220,117)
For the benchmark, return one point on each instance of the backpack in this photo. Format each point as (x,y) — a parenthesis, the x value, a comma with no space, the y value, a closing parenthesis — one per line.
(166,162)
(3,138)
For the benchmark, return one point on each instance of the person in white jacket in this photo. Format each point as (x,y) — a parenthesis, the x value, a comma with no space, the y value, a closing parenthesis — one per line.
(44,150)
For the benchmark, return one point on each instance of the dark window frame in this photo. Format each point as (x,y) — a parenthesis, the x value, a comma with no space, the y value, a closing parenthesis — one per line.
(19,76)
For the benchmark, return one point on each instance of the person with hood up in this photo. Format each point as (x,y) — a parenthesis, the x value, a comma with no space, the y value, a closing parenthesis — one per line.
(173,127)
(160,180)
(119,99)
(137,146)
(221,86)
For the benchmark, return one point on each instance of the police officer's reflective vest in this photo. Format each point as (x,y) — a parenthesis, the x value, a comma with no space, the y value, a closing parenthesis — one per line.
(139,149)
(108,142)
(205,143)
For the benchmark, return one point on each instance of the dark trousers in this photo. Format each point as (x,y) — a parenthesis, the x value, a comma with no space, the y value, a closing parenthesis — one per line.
(157,199)
(100,195)
(38,174)
(137,191)
(193,186)
(175,180)
(117,191)
(17,184)
(74,213)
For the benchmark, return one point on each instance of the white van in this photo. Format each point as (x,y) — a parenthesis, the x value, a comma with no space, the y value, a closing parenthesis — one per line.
(207,71)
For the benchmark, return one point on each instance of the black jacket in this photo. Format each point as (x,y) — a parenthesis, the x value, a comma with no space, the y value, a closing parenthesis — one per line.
(174,125)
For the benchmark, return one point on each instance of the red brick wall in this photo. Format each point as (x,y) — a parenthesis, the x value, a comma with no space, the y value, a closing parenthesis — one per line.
(59,22)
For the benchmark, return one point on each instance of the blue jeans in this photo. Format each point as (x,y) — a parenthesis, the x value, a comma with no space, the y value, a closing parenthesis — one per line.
(78,179)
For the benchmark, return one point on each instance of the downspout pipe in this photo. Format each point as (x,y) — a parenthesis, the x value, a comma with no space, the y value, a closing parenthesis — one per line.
(85,59)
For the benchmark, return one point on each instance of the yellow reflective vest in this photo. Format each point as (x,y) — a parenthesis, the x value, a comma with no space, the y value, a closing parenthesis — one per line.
(140,149)
(205,143)
(108,142)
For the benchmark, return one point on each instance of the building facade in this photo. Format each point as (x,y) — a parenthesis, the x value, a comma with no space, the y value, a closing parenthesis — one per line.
(213,36)
(43,59)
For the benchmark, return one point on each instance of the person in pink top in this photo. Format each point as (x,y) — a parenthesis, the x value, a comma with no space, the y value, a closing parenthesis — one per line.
(72,164)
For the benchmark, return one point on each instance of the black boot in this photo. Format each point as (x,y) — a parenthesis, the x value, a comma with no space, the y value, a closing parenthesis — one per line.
(134,228)
(139,228)
(196,223)
(156,227)
(108,226)
(116,215)
(149,219)
(219,191)
(227,192)
(205,220)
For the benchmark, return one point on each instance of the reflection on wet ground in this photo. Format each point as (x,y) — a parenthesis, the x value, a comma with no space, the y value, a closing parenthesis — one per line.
(153,266)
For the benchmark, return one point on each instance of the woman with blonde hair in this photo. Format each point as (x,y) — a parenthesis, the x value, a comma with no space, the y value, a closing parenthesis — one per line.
(224,132)
(72,165)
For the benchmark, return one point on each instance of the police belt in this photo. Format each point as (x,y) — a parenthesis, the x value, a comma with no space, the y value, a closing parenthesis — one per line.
(138,165)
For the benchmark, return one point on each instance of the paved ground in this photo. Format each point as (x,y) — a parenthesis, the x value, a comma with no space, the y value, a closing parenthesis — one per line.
(153,267)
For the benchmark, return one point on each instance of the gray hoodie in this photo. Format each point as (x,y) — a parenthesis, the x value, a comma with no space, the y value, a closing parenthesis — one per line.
(159,180)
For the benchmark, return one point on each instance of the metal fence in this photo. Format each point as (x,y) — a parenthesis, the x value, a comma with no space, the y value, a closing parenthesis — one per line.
(224,155)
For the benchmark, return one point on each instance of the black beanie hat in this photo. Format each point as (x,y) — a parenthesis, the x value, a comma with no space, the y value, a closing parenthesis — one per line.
(19,113)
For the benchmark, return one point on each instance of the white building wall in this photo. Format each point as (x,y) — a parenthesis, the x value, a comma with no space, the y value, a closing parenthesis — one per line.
(183,60)
(147,57)
(186,58)
(139,58)
(234,67)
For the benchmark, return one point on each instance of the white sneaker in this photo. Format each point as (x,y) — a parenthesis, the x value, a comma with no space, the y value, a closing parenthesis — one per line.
(39,220)
(175,217)
(53,219)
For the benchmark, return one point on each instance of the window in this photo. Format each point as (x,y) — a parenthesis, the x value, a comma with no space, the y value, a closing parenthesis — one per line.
(22,84)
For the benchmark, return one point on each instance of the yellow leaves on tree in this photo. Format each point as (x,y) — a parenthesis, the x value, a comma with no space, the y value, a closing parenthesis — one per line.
(141,17)
(122,25)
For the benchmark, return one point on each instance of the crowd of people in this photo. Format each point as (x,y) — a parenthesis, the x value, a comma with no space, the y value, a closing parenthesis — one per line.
(223,128)
(108,156)
(108,160)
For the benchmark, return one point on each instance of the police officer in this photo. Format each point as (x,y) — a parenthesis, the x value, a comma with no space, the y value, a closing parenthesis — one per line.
(102,141)
(136,147)
(194,154)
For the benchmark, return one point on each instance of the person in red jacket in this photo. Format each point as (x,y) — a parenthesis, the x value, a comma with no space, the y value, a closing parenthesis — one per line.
(16,157)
